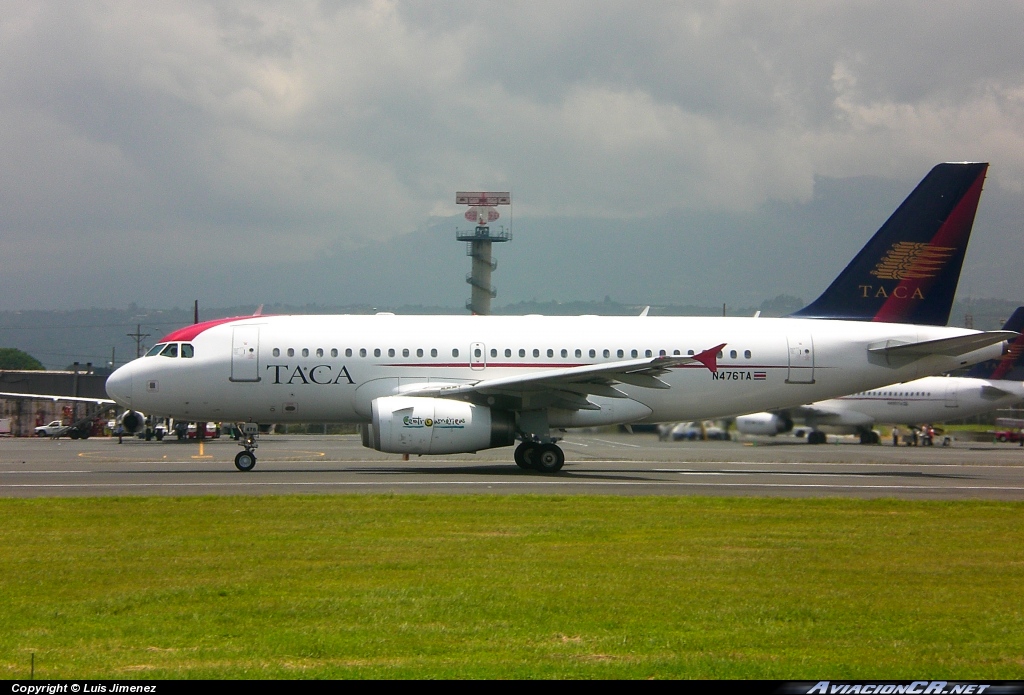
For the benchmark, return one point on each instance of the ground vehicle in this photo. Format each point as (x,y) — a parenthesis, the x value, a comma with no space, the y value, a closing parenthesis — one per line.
(50,430)
(212,430)
(691,431)
(1006,435)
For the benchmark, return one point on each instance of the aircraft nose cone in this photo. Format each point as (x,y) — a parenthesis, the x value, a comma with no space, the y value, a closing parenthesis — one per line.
(119,386)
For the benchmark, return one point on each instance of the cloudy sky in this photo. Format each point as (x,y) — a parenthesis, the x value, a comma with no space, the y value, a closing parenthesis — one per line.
(657,152)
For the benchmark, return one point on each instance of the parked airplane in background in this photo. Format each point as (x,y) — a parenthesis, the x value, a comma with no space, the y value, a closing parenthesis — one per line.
(449,384)
(986,387)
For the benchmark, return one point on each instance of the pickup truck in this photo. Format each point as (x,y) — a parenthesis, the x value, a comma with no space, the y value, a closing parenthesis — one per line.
(51,429)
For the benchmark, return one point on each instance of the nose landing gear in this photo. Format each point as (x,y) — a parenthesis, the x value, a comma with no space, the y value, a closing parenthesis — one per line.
(246,460)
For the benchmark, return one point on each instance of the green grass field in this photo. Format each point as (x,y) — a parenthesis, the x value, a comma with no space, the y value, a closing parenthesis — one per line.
(510,587)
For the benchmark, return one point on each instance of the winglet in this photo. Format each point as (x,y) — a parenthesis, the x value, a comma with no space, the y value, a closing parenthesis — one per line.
(709,358)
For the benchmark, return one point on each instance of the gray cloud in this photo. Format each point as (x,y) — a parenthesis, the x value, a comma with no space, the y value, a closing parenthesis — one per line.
(183,148)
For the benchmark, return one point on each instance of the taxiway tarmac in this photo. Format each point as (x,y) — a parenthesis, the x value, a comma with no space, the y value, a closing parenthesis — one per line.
(596,464)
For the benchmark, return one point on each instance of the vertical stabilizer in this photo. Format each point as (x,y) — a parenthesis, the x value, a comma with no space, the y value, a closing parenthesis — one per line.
(909,270)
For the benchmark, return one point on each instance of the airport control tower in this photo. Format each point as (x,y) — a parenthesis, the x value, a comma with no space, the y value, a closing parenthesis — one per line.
(478,246)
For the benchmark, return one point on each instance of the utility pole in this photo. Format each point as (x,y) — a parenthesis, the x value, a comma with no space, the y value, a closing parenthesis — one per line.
(138,335)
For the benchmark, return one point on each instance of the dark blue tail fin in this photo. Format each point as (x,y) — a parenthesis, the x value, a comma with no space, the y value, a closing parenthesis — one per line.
(909,271)
(1009,366)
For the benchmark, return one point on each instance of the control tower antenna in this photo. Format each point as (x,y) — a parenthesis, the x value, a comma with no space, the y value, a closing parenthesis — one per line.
(478,246)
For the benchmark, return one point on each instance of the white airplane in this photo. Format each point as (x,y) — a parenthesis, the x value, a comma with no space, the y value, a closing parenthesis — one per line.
(449,384)
(986,387)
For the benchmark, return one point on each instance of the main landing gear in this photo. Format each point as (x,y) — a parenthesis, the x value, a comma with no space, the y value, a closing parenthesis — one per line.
(246,460)
(546,458)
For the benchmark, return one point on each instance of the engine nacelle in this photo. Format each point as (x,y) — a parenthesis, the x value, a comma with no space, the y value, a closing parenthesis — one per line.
(133,421)
(763,423)
(411,425)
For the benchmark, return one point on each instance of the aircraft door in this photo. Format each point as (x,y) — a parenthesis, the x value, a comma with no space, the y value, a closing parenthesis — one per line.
(952,395)
(245,353)
(801,359)
(477,356)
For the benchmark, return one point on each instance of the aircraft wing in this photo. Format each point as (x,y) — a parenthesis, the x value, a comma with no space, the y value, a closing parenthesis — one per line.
(959,345)
(53,397)
(569,387)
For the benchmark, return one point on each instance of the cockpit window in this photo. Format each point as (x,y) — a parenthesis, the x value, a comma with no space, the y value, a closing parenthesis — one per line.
(170,351)
(187,350)
(155,350)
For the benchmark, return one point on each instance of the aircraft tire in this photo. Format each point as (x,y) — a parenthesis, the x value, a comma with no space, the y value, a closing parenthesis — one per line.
(525,454)
(245,461)
(549,458)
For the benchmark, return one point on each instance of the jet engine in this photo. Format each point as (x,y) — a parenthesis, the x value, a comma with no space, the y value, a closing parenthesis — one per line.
(764,423)
(133,421)
(411,425)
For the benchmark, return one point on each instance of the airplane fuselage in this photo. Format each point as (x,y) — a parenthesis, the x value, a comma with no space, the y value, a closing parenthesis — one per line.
(928,400)
(330,368)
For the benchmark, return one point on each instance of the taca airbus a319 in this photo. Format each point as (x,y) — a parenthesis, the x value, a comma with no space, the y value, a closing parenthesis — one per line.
(450,384)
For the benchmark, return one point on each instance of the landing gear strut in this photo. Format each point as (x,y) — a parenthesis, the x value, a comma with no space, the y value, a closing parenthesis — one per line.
(246,460)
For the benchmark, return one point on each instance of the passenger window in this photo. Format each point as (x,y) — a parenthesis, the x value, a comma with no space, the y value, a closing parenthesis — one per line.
(277,352)
(689,352)
(455,352)
(746,353)
(494,353)
(476,352)
(720,354)
(433,352)
(419,352)
(620,353)
(647,353)
(578,353)
(675,352)
(187,350)
(391,352)
(593,353)
(305,352)
(607,353)
(334,352)
(551,353)
(508,352)
(732,354)
(405,352)
(536,352)
(170,351)
(633,353)
(522,352)
(319,352)
(565,353)
(362,352)
(291,352)
(376,352)
(662,353)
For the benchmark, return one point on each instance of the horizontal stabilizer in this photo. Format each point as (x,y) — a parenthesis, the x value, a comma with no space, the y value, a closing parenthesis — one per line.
(949,347)
(994,393)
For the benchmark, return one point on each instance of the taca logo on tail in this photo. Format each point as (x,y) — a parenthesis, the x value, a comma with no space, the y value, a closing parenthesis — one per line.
(909,271)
